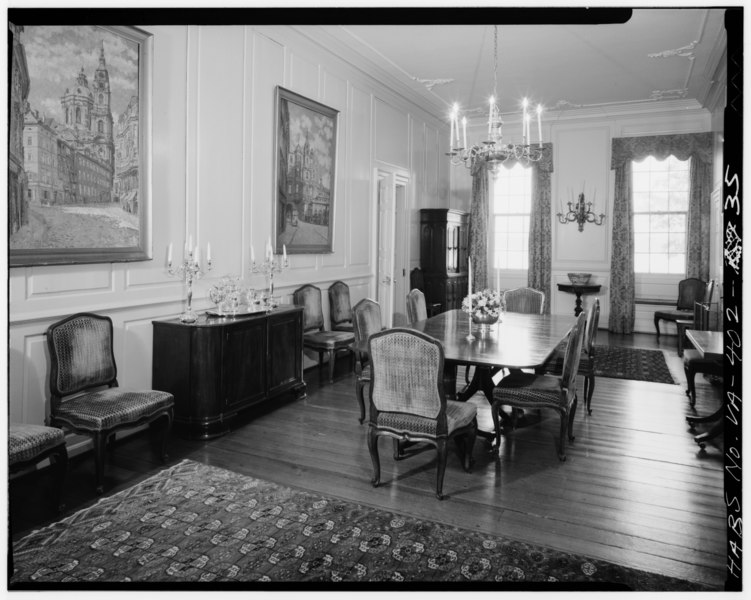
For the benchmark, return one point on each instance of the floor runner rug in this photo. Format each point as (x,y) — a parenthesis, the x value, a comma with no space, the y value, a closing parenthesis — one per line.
(195,527)
(632,363)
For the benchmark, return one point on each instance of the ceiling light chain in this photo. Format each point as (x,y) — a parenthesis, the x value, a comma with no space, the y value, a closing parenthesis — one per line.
(493,151)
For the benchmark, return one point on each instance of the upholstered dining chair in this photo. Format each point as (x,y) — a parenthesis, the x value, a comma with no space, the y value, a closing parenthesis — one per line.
(407,400)
(340,308)
(688,323)
(531,390)
(554,365)
(689,291)
(367,321)
(85,396)
(416,308)
(315,337)
(693,361)
(417,282)
(524,300)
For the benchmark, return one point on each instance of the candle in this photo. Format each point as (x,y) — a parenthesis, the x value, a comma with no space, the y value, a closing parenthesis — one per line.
(525,132)
(498,280)
(284,252)
(169,255)
(190,243)
(208,252)
(469,284)
(456,122)
(526,127)
(269,251)
(185,251)
(198,255)
(252,254)
(539,124)
(451,130)
(464,127)
(491,115)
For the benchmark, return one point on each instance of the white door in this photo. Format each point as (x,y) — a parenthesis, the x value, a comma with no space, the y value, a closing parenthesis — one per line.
(385,269)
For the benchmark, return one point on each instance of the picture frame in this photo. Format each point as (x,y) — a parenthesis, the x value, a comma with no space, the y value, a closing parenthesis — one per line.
(305,174)
(80,145)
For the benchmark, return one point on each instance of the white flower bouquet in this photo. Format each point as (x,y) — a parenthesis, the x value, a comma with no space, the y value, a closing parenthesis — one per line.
(484,305)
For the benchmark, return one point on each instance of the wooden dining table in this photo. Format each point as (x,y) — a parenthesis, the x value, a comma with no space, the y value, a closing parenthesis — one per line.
(517,341)
(709,345)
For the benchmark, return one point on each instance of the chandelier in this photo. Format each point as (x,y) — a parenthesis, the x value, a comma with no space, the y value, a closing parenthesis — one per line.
(493,151)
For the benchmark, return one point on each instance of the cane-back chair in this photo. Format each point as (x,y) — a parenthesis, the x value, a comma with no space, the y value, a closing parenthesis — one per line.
(367,321)
(524,300)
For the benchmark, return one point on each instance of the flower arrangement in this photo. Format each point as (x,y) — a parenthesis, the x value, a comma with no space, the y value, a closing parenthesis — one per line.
(484,304)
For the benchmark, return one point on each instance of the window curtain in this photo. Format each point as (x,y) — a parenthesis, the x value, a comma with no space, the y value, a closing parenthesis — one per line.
(540,228)
(698,147)
(479,214)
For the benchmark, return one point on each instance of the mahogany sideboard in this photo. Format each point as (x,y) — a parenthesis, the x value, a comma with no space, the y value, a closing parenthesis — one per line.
(218,367)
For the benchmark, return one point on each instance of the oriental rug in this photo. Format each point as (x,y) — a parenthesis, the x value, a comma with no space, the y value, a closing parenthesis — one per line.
(194,526)
(637,364)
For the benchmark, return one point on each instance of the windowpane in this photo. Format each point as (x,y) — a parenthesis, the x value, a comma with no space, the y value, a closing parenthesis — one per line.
(511,205)
(660,191)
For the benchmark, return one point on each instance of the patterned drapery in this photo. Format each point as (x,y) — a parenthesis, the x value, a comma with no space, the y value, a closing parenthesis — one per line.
(540,228)
(478,225)
(698,147)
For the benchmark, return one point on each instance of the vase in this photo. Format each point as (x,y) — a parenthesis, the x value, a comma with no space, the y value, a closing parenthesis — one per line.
(485,322)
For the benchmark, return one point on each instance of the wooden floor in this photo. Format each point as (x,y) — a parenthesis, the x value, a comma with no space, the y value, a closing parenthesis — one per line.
(635,490)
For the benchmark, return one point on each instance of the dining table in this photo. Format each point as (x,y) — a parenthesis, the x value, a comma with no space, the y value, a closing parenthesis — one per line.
(516,341)
(709,345)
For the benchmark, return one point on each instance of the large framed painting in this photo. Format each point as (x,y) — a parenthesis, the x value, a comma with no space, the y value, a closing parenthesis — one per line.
(305,174)
(79,174)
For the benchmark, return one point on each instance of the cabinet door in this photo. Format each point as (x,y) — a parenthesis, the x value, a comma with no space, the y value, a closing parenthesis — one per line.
(243,364)
(285,351)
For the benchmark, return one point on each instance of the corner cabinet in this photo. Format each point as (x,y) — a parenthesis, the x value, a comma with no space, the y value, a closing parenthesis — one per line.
(218,367)
(444,240)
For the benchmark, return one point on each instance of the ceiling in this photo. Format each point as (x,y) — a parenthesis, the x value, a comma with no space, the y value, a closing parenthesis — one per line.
(657,55)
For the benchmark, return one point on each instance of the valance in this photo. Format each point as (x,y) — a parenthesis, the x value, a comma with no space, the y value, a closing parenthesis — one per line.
(682,146)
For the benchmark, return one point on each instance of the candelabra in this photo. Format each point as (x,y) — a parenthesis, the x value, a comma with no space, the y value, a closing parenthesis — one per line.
(269,267)
(188,270)
(580,213)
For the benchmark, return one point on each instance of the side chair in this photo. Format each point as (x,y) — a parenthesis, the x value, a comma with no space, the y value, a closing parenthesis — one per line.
(367,321)
(315,337)
(532,390)
(524,300)
(416,307)
(689,291)
(408,403)
(340,309)
(688,323)
(85,396)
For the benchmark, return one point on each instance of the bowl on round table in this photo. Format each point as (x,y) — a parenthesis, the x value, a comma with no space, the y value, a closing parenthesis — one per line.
(579,278)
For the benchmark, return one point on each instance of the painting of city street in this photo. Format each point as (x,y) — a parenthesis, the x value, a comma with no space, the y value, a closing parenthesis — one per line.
(305,174)
(78,152)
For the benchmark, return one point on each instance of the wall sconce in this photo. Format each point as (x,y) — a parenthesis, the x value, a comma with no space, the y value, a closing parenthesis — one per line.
(581,213)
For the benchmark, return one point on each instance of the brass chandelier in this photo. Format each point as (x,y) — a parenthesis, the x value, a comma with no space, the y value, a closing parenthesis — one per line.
(493,151)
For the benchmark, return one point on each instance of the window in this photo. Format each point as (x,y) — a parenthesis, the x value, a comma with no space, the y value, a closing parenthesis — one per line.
(660,191)
(511,203)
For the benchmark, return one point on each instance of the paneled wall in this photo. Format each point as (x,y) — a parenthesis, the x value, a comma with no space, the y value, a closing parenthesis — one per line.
(581,155)
(213,138)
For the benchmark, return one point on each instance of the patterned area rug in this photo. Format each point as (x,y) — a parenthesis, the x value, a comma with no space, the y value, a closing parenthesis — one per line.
(194,523)
(632,363)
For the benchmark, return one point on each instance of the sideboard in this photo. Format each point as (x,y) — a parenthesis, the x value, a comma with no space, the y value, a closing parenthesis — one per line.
(218,367)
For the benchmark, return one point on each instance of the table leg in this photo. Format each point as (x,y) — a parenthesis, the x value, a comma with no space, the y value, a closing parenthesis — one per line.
(578,308)
(715,416)
(482,381)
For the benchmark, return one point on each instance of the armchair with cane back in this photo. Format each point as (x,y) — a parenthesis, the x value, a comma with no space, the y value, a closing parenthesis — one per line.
(407,399)
(366,321)
(85,396)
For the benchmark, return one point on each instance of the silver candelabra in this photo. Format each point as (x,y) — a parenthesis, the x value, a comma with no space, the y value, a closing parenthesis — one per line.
(269,267)
(188,270)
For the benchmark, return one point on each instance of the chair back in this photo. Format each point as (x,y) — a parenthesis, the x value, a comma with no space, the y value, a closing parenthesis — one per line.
(81,354)
(366,321)
(407,373)
(709,291)
(416,279)
(689,291)
(573,353)
(593,321)
(701,316)
(416,307)
(340,309)
(309,297)
(524,300)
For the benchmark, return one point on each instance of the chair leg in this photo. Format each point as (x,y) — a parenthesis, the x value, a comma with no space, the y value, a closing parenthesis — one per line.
(100,449)
(572,413)
(360,390)
(589,389)
(332,362)
(166,436)
(59,460)
(442,447)
(373,447)
(494,412)
(657,326)
(691,390)
(469,445)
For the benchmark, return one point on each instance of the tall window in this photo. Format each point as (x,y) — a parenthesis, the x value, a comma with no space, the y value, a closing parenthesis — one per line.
(510,208)
(660,193)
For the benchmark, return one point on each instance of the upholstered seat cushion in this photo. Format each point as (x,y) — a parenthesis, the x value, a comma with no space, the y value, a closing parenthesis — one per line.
(674,315)
(328,340)
(458,414)
(25,442)
(112,407)
(347,326)
(698,362)
(521,388)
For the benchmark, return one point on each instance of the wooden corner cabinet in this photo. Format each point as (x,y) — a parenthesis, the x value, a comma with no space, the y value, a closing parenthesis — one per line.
(444,240)
(218,367)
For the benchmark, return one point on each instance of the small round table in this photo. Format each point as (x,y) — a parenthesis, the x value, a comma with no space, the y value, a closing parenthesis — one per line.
(578,290)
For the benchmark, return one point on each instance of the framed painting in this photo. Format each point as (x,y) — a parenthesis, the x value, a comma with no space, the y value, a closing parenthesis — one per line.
(305,174)
(79,174)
